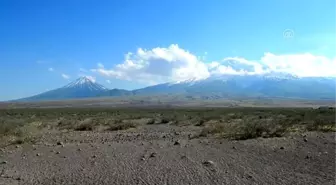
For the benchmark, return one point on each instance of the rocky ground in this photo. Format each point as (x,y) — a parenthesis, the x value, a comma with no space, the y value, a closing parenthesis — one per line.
(168,154)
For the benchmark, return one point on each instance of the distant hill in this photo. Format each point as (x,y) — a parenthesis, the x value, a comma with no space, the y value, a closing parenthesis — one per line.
(272,85)
(80,88)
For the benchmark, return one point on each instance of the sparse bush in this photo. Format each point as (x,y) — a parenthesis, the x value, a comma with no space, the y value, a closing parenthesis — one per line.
(10,127)
(234,123)
(150,122)
(85,125)
(121,126)
(245,129)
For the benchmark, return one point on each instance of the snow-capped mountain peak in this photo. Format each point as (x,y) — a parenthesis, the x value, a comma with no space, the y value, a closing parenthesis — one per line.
(190,81)
(279,75)
(85,82)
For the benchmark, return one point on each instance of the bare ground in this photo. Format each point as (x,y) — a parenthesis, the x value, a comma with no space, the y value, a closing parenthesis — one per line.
(168,154)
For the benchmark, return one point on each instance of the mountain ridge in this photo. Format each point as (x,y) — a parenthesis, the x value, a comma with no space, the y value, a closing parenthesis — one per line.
(215,87)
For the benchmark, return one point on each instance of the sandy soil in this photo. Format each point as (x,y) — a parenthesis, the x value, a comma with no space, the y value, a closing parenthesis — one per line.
(165,154)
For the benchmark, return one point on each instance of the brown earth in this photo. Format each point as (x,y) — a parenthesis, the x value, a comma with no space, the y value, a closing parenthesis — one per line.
(168,154)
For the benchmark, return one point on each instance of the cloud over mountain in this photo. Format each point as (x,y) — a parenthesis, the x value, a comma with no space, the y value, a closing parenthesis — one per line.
(173,63)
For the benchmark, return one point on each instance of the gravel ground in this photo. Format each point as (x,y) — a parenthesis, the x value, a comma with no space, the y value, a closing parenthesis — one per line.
(165,154)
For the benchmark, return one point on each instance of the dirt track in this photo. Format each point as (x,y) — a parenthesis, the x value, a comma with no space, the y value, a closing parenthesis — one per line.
(151,155)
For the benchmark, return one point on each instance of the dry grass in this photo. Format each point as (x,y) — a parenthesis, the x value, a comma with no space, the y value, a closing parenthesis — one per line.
(22,125)
(121,126)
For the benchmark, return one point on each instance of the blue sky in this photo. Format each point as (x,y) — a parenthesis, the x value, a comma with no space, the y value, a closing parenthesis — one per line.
(134,43)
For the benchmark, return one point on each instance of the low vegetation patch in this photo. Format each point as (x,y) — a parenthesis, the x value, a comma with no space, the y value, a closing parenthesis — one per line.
(121,126)
(22,125)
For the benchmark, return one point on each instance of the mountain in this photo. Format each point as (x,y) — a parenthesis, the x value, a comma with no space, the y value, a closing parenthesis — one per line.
(115,92)
(271,85)
(81,88)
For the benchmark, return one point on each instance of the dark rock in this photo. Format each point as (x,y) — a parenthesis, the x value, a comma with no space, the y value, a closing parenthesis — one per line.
(4,162)
(208,163)
(305,140)
(153,154)
(177,143)
(59,143)
(282,148)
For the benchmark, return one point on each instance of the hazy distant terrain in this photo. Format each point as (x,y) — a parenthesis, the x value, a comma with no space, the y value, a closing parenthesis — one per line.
(169,101)
(269,86)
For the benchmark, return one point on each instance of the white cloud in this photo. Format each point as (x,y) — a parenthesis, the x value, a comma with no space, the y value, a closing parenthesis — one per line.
(304,65)
(92,78)
(100,65)
(108,81)
(50,69)
(159,65)
(65,76)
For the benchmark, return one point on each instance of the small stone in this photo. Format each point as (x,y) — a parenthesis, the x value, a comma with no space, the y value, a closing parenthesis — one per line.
(17,146)
(59,143)
(64,157)
(305,140)
(308,157)
(18,178)
(233,147)
(177,143)
(58,152)
(34,148)
(4,162)
(281,148)
(249,176)
(208,163)
(164,136)
(220,142)
(94,156)
(38,154)
(143,159)
(183,157)
(79,149)
(153,154)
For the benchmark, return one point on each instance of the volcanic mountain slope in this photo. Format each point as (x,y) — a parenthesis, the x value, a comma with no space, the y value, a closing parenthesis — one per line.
(81,88)
(272,85)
